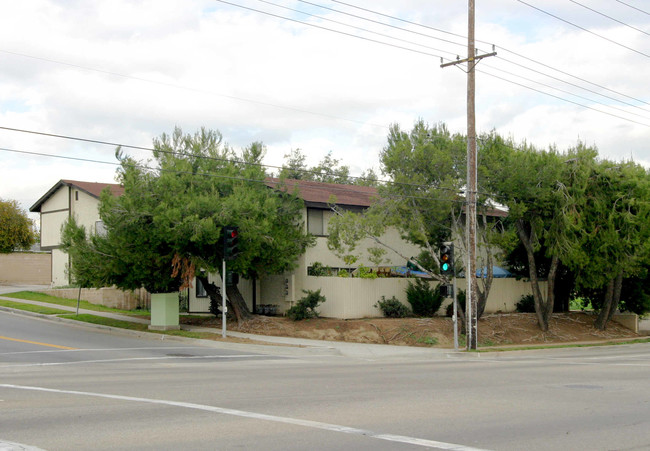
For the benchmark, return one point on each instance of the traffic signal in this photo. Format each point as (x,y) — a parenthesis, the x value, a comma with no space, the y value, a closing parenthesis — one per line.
(447,260)
(232,279)
(447,291)
(230,242)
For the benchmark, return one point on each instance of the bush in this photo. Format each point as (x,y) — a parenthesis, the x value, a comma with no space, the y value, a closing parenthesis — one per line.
(526,304)
(460,298)
(424,300)
(306,306)
(366,273)
(392,308)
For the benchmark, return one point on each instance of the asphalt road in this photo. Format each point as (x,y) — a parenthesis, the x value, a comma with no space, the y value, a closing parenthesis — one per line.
(71,388)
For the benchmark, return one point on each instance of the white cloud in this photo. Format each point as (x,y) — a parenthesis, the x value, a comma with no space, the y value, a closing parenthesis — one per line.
(127,71)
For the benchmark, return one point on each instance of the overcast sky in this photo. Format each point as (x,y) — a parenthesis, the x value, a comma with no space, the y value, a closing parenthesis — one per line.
(127,71)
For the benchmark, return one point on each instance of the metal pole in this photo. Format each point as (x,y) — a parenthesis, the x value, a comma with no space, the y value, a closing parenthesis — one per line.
(455,315)
(224,299)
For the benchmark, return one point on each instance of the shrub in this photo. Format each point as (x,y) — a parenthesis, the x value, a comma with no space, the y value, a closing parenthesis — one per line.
(306,306)
(318,269)
(424,300)
(392,308)
(526,304)
(366,273)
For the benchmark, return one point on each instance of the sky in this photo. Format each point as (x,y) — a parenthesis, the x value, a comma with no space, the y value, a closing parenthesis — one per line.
(320,76)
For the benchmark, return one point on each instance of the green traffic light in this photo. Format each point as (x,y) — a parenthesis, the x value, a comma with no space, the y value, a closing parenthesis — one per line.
(445,266)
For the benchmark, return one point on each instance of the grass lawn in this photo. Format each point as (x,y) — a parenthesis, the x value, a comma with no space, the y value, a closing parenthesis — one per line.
(41,297)
(32,308)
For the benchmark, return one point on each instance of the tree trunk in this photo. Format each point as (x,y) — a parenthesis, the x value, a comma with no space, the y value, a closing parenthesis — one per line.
(601,320)
(550,291)
(610,302)
(526,240)
(486,281)
(235,300)
(238,304)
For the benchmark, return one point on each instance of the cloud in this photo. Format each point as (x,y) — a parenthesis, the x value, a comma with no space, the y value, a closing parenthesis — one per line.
(127,71)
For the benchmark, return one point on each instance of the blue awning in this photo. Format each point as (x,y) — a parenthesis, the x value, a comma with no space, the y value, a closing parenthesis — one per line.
(497,272)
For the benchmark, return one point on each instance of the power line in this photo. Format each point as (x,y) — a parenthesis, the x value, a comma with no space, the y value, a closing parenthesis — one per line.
(381,23)
(400,19)
(500,48)
(573,84)
(562,98)
(187,88)
(352,26)
(570,93)
(584,29)
(372,40)
(329,29)
(633,7)
(266,181)
(205,157)
(610,17)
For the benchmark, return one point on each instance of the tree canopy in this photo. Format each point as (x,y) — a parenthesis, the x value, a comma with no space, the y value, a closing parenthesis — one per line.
(16,229)
(422,198)
(167,226)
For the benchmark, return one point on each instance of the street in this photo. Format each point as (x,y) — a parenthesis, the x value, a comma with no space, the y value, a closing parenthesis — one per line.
(66,387)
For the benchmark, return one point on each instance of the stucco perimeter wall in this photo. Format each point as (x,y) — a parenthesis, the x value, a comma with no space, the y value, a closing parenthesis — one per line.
(349,298)
(26,268)
(108,297)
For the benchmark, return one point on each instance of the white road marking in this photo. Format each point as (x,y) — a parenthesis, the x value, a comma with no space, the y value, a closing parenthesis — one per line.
(129,359)
(12,446)
(260,416)
(564,360)
(101,349)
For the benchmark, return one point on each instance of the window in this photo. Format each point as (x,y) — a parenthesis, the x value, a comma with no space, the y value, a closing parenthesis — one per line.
(315,224)
(200,290)
(76,195)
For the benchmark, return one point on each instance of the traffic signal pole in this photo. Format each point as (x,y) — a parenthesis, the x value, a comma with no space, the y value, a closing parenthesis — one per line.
(230,251)
(224,300)
(455,315)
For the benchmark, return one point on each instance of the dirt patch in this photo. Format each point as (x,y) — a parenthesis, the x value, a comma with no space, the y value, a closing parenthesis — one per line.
(493,330)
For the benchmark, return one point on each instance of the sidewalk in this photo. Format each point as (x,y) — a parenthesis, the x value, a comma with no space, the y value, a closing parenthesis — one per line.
(358,350)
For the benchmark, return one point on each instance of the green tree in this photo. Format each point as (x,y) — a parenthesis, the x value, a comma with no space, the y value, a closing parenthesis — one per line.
(426,173)
(328,170)
(612,232)
(542,190)
(16,229)
(166,227)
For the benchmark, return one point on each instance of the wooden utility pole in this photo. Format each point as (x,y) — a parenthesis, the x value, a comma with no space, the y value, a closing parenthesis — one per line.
(471,304)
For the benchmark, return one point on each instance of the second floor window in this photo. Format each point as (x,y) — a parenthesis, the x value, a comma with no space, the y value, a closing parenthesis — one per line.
(315,223)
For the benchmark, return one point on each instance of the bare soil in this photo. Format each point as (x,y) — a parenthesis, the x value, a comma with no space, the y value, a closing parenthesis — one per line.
(493,330)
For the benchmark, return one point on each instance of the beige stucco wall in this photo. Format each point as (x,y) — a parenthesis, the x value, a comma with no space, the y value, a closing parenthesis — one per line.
(57,201)
(51,223)
(25,268)
(65,202)
(85,209)
(355,298)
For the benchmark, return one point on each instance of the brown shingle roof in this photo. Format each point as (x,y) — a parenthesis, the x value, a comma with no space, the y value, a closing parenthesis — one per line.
(320,193)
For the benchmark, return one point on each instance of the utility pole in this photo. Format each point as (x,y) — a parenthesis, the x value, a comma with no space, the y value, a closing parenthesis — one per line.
(471,304)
